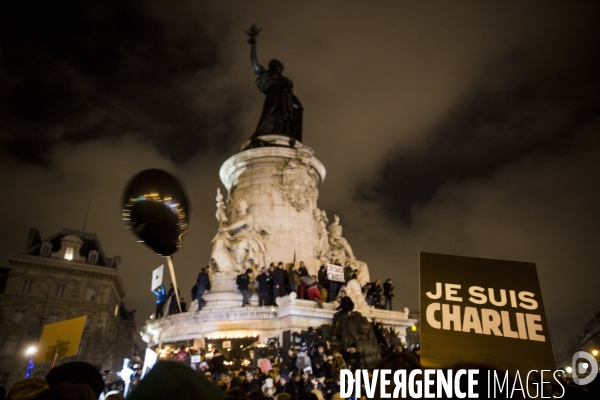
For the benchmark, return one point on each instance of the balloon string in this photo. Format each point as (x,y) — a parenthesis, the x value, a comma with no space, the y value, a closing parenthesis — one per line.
(172,271)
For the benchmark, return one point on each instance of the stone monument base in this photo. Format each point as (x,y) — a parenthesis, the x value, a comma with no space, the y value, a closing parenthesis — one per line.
(220,320)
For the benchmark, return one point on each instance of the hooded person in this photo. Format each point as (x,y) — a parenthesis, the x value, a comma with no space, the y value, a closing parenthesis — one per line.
(284,385)
(303,360)
(169,380)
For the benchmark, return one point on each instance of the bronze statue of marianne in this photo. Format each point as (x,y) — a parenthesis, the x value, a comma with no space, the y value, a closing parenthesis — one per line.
(282,111)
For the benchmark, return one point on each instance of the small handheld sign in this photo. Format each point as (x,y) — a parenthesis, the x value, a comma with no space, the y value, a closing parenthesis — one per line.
(335,273)
(157,277)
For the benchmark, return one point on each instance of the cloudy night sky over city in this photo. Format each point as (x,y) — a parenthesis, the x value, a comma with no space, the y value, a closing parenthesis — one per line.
(467,128)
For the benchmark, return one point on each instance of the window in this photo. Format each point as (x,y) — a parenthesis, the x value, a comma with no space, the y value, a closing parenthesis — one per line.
(26,288)
(54,317)
(46,249)
(60,290)
(93,257)
(91,294)
(18,316)
(69,251)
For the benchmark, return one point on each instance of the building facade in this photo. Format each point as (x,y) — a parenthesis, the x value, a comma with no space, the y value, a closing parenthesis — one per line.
(63,277)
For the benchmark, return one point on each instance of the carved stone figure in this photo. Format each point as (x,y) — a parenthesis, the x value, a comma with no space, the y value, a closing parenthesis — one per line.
(357,329)
(362,274)
(336,242)
(322,250)
(295,183)
(282,111)
(221,210)
(239,245)
(354,291)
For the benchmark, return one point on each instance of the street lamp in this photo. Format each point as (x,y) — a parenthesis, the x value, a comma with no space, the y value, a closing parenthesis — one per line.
(569,370)
(30,352)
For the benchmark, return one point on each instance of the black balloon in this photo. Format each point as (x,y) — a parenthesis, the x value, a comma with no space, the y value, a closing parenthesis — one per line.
(156,210)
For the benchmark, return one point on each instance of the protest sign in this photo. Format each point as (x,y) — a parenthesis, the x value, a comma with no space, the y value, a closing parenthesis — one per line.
(149,360)
(60,339)
(157,277)
(482,311)
(335,273)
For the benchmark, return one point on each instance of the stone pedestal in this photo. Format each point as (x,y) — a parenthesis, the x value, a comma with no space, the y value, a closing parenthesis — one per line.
(280,185)
(291,314)
(224,293)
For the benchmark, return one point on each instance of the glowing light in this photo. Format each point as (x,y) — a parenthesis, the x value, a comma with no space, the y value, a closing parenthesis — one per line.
(569,370)
(31,350)
(413,328)
(69,253)
(594,353)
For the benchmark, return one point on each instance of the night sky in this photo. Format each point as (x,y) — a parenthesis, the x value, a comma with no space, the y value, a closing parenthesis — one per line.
(459,128)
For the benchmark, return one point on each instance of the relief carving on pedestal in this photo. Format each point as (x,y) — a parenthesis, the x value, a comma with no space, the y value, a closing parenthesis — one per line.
(296,183)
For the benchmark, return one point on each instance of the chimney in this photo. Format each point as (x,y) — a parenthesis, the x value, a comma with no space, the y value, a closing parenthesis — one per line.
(33,238)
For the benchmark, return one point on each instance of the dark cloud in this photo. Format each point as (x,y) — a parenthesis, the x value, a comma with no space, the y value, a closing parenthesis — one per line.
(521,106)
(75,72)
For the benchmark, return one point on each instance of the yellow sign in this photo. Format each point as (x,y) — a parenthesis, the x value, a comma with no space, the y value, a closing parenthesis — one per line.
(60,339)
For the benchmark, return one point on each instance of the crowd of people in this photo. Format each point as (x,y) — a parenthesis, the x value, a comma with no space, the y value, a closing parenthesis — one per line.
(302,376)
(311,365)
(314,369)
(282,279)
(278,281)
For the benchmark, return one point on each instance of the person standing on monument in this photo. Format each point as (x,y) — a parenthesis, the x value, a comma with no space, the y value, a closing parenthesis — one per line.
(302,272)
(348,271)
(264,287)
(374,294)
(172,300)
(243,283)
(345,308)
(388,289)
(203,283)
(279,282)
(323,282)
(292,275)
(161,297)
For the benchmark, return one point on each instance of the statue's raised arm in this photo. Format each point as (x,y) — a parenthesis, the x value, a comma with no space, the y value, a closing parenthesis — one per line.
(282,111)
(252,34)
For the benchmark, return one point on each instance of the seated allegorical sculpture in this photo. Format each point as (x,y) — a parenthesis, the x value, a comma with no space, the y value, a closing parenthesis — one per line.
(240,245)
(336,242)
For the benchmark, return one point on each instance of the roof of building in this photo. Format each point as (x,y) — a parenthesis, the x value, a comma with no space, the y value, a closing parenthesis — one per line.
(90,243)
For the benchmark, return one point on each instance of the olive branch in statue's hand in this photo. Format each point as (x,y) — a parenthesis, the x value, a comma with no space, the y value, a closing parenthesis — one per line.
(252,33)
